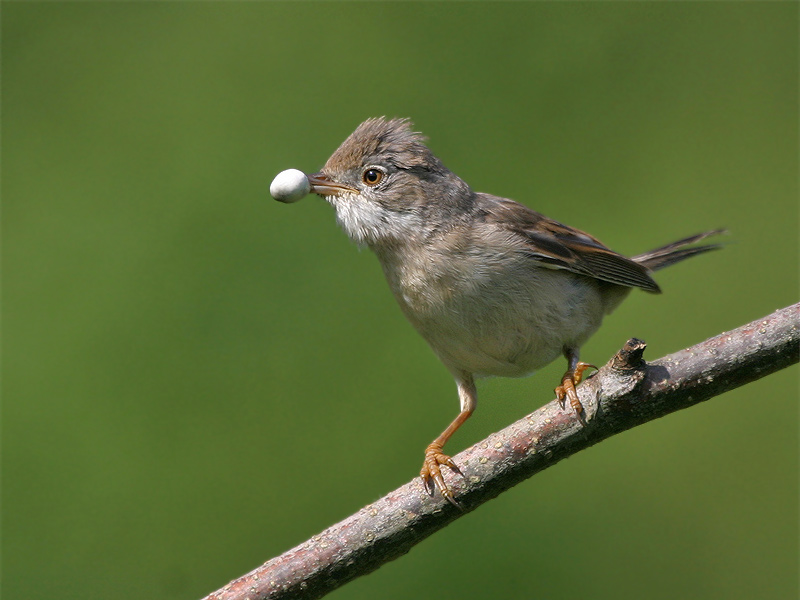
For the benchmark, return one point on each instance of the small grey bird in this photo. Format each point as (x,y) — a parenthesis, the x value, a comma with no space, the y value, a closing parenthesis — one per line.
(494,287)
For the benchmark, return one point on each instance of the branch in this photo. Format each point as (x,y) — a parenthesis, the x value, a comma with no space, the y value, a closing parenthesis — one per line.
(623,394)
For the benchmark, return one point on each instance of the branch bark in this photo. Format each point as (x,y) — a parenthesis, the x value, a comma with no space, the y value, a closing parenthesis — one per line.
(625,393)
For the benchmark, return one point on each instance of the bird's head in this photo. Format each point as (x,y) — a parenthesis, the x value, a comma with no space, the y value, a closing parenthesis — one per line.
(386,185)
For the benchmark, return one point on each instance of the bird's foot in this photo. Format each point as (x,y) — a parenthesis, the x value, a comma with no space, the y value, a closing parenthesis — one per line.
(567,388)
(431,474)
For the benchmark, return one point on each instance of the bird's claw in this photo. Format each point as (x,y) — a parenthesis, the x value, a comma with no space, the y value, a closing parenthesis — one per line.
(431,474)
(567,388)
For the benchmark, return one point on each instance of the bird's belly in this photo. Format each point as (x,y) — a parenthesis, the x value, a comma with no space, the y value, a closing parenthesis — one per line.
(512,329)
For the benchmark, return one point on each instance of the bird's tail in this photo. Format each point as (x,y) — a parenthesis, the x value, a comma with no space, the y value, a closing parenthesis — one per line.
(675,252)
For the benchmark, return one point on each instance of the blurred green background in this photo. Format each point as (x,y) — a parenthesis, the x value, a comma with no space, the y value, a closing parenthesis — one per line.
(197,378)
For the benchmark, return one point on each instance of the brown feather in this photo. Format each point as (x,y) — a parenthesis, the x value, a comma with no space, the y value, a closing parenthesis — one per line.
(560,246)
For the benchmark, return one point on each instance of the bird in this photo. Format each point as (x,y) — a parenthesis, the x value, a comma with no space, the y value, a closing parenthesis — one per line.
(494,287)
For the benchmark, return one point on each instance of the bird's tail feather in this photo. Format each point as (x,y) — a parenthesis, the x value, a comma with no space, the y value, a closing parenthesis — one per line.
(675,252)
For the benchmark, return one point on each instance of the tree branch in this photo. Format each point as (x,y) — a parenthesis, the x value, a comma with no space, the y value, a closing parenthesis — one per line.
(625,393)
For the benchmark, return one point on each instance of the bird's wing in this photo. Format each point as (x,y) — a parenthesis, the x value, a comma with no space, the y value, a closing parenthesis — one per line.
(558,246)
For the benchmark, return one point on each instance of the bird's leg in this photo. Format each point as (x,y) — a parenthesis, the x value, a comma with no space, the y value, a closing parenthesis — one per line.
(431,474)
(570,379)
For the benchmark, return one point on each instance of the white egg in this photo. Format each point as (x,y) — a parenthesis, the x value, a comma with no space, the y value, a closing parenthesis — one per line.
(290,185)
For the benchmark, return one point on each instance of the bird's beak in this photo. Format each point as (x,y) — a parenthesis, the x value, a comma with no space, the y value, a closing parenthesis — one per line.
(324,186)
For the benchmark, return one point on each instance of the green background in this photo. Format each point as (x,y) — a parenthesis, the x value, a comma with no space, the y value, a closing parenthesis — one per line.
(197,378)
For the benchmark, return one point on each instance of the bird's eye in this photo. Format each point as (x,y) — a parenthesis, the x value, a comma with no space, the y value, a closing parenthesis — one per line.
(372,176)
